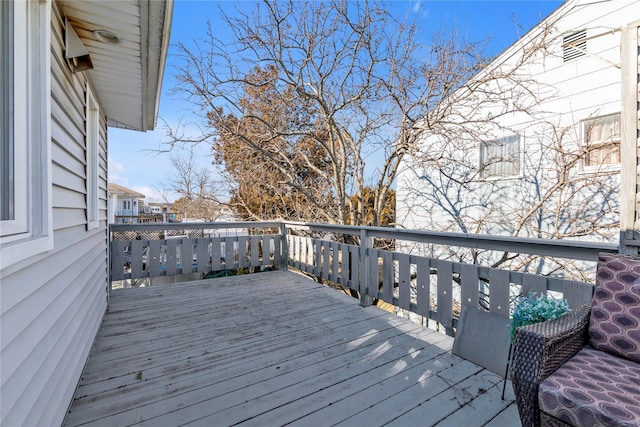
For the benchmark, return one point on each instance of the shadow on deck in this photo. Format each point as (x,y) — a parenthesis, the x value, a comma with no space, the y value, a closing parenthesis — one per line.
(273,349)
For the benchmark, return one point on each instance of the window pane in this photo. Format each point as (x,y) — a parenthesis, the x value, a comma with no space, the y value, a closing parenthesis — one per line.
(500,157)
(7,199)
(604,155)
(602,141)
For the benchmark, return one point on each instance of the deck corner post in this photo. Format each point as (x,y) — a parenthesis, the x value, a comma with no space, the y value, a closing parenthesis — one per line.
(284,261)
(366,242)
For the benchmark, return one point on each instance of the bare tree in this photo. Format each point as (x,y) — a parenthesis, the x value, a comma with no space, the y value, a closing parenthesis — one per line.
(363,82)
(323,89)
(198,190)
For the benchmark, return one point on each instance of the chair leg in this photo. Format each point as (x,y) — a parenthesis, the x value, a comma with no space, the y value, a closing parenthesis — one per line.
(506,371)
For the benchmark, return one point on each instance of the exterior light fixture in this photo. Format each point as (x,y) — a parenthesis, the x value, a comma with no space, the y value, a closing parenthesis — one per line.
(106,36)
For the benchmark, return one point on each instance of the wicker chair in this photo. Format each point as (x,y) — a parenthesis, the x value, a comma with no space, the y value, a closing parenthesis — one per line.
(584,368)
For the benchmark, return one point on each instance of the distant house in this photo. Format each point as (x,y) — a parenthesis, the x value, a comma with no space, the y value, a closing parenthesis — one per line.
(165,209)
(536,152)
(69,70)
(124,202)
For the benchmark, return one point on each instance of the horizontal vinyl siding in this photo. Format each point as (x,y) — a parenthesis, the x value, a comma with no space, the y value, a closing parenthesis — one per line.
(44,342)
(585,87)
(53,304)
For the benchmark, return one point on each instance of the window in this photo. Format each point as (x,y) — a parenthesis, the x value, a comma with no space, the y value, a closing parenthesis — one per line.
(7,209)
(93,145)
(500,157)
(13,210)
(25,110)
(574,45)
(602,141)
(126,205)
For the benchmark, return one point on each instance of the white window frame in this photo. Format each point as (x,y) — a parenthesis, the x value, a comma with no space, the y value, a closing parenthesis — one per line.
(485,171)
(30,232)
(587,166)
(92,160)
(18,127)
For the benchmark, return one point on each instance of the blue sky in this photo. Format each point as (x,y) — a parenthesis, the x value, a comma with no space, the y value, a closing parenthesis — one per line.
(133,158)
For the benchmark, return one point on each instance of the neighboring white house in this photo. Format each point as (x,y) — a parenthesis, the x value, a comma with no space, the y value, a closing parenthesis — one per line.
(531,146)
(125,202)
(69,69)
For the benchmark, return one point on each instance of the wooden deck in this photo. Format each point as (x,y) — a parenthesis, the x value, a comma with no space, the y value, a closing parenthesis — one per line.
(274,349)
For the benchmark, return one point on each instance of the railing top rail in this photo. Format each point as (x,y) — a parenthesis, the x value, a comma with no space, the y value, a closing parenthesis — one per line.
(573,249)
(193,225)
(582,250)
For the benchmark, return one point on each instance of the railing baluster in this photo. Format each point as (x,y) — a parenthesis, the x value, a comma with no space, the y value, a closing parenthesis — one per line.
(136,259)
(117,260)
(334,262)
(533,284)
(404,281)
(499,292)
(172,254)
(303,254)
(154,258)
(373,279)
(202,254)
(387,276)
(243,243)
(293,254)
(310,255)
(344,258)
(189,255)
(423,284)
(469,282)
(355,267)
(216,254)
(318,253)
(576,293)
(266,250)
(254,260)
(326,253)
(280,253)
(445,295)
(229,253)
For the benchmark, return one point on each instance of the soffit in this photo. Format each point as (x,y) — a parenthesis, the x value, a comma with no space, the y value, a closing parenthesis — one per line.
(127,76)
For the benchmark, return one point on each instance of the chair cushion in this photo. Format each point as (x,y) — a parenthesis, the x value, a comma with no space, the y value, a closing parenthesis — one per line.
(614,325)
(593,388)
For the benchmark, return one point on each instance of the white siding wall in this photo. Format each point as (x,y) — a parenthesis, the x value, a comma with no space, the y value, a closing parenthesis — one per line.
(52,304)
(585,87)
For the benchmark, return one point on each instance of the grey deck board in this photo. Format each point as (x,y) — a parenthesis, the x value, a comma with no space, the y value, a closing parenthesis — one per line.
(271,349)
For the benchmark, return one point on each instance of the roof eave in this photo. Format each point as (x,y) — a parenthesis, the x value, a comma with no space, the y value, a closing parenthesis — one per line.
(159,19)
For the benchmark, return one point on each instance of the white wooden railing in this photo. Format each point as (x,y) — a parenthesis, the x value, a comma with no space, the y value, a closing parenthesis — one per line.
(429,287)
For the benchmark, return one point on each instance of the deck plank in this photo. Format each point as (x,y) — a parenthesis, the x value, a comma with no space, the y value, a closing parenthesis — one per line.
(271,349)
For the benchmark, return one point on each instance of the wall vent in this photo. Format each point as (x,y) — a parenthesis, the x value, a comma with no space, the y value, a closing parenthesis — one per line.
(575,45)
